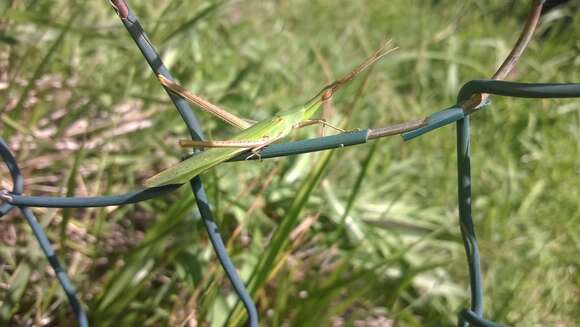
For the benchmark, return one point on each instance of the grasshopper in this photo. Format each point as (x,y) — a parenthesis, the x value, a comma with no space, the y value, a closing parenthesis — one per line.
(255,136)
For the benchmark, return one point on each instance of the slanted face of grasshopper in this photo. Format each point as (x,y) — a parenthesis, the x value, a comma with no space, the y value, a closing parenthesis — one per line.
(254,137)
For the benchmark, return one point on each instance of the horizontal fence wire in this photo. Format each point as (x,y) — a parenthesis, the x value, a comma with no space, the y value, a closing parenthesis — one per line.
(473,316)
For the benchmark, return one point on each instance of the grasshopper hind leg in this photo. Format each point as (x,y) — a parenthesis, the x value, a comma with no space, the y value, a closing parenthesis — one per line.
(256,150)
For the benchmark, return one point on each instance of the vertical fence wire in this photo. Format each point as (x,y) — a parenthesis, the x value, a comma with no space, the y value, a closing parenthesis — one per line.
(40,235)
(154,60)
(465,220)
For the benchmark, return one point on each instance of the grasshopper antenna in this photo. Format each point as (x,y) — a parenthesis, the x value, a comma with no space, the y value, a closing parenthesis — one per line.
(328,91)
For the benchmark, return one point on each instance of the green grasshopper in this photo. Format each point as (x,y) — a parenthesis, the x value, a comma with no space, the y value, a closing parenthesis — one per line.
(254,137)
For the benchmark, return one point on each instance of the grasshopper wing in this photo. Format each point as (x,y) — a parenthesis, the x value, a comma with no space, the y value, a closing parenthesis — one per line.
(184,171)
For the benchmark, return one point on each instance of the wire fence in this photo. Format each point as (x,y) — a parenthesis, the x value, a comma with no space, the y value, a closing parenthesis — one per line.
(472,97)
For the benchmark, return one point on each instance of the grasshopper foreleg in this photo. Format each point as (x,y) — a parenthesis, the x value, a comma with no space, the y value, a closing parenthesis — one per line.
(321,122)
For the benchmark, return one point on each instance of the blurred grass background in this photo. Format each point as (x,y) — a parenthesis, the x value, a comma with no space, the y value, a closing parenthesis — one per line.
(361,236)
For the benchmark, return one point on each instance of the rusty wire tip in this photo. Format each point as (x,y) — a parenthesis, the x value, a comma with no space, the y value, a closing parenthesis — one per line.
(473,103)
(509,63)
(120,8)
(376,133)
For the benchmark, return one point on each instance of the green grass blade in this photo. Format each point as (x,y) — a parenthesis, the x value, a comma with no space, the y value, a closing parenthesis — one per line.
(41,68)
(280,238)
(10,299)
(70,192)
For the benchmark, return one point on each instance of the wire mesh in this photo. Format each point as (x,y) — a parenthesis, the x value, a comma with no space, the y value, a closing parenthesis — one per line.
(471,98)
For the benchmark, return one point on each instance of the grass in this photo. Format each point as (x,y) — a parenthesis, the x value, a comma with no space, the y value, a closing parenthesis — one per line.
(357,236)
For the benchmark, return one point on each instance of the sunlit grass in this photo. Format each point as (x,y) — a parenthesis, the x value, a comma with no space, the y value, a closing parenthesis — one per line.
(367,234)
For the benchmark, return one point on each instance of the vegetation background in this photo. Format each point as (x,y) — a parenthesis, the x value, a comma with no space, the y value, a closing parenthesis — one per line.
(361,236)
